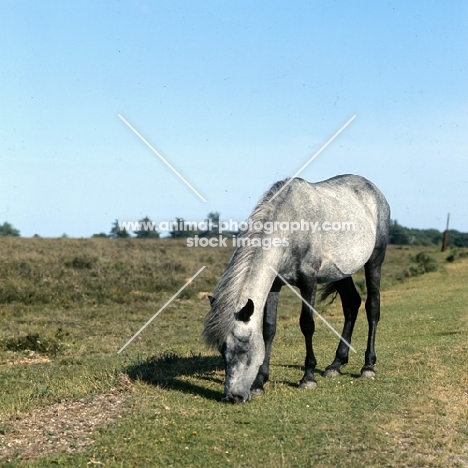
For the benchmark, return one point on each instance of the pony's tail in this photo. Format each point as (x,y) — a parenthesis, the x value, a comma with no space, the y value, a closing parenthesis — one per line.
(328,290)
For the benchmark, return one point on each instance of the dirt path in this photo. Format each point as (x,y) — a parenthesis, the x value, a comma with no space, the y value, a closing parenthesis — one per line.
(61,427)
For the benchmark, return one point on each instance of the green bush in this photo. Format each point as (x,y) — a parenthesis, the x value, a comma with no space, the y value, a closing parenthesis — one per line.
(456,254)
(32,342)
(426,263)
(423,263)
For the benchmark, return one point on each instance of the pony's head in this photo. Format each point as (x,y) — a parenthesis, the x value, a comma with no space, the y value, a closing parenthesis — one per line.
(243,351)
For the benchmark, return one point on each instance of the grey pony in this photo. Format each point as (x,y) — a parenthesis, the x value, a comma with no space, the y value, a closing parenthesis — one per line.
(351,219)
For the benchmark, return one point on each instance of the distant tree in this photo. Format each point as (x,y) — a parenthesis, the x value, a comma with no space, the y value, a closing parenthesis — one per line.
(398,234)
(458,239)
(214,215)
(401,235)
(147,229)
(181,229)
(214,218)
(117,233)
(6,229)
(101,234)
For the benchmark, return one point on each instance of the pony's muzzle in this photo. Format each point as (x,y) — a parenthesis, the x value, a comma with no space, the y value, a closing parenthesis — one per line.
(235,399)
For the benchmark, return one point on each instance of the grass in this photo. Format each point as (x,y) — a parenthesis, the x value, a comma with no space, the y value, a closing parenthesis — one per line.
(68,305)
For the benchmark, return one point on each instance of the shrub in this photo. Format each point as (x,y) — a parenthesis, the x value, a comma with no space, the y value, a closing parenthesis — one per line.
(456,254)
(32,342)
(424,263)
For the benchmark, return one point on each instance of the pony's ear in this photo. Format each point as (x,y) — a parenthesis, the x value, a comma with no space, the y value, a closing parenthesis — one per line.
(212,299)
(246,312)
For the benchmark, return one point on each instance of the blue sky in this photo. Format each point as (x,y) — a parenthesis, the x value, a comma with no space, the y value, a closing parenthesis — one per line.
(235,95)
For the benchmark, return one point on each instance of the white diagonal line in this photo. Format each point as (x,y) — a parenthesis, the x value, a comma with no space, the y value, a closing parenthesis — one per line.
(314,311)
(161,157)
(313,157)
(161,309)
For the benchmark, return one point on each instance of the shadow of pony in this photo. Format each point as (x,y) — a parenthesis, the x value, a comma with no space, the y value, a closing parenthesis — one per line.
(168,370)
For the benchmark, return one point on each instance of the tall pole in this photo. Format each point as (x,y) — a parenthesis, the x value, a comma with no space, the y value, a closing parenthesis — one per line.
(446,235)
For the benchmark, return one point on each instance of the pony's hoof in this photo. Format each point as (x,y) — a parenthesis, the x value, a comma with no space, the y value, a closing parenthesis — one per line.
(367,374)
(256,392)
(310,384)
(331,373)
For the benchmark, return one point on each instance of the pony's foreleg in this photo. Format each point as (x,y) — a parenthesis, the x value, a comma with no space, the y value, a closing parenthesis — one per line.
(308,327)
(372,270)
(269,330)
(351,302)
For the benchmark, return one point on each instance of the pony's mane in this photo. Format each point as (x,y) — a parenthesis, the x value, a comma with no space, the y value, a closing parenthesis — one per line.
(221,318)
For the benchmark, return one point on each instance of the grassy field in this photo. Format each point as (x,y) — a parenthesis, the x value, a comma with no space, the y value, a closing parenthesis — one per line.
(68,399)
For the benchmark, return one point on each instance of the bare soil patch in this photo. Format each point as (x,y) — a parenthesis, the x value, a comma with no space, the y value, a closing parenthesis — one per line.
(30,360)
(62,427)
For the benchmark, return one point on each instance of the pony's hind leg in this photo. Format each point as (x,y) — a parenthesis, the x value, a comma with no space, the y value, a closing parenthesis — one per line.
(308,327)
(373,271)
(269,330)
(351,302)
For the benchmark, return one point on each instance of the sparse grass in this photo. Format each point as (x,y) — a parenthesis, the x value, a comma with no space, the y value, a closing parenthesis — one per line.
(71,272)
(415,412)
